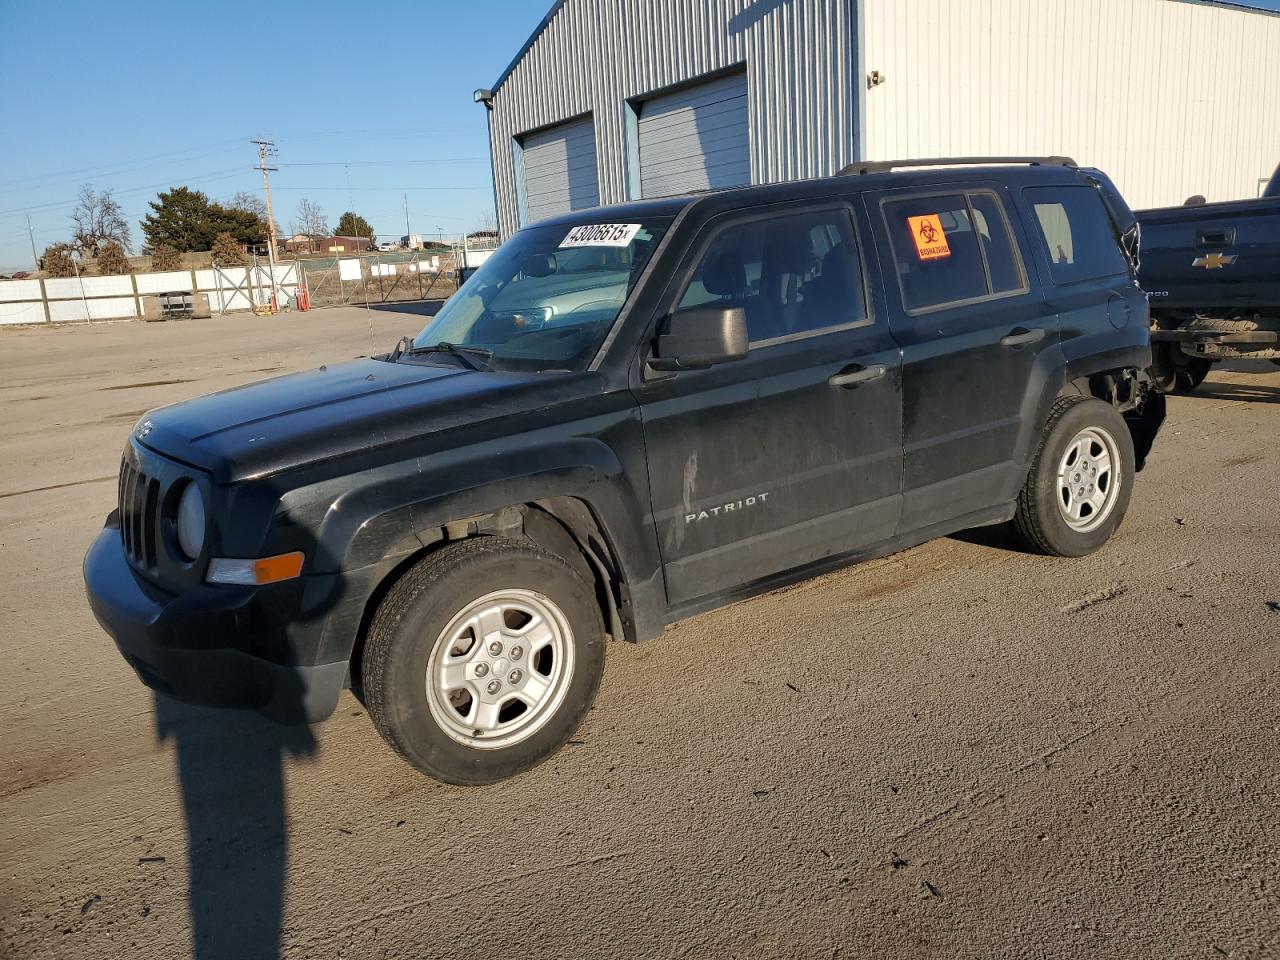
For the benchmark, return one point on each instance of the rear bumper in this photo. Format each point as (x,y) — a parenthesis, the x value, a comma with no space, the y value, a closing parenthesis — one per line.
(1222,345)
(205,646)
(1256,337)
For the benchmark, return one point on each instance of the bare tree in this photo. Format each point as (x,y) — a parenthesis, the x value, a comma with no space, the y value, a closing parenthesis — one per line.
(249,203)
(487,224)
(98,218)
(310,220)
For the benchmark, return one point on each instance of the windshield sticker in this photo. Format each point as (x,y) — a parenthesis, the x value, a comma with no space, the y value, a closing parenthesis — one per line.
(601,235)
(930,238)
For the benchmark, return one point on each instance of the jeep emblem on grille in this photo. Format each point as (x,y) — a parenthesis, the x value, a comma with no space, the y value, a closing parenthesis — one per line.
(143,429)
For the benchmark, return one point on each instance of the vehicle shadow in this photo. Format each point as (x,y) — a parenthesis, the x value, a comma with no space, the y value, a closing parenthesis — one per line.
(231,775)
(997,537)
(1225,390)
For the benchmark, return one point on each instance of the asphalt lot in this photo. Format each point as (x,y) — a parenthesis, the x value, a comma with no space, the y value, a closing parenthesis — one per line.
(958,751)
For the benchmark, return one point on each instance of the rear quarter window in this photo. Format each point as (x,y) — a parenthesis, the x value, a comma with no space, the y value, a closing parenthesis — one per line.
(1075,233)
(953,249)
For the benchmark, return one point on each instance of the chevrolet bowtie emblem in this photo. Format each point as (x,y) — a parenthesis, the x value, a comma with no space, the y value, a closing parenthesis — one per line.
(1214,261)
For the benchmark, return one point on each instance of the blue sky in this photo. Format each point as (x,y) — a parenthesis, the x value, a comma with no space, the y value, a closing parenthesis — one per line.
(366,102)
(157,94)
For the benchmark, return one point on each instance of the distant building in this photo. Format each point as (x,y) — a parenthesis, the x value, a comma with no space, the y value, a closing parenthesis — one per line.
(300,243)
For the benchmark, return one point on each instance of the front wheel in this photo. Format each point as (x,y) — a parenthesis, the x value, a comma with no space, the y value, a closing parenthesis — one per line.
(482,660)
(1080,481)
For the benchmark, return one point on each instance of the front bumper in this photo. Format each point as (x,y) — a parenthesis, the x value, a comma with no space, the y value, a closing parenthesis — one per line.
(207,644)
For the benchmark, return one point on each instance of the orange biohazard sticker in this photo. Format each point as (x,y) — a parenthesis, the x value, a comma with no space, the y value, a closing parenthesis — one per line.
(931,240)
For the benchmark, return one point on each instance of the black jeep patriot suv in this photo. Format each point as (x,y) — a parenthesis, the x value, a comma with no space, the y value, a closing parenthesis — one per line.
(626,416)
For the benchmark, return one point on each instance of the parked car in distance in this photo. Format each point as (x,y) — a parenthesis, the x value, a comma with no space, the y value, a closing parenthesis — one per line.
(1212,272)
(626,416)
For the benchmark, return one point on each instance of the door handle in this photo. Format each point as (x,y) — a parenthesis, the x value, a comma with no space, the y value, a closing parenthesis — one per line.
(1217,238)
(1019,336)
(851,377)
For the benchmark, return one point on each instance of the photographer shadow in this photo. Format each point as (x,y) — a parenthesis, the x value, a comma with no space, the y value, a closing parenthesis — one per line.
(231,775)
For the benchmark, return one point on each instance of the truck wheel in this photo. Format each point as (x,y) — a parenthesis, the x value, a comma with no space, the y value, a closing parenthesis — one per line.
(482,660)
(1080,481)
(1174,371)
(1193,373)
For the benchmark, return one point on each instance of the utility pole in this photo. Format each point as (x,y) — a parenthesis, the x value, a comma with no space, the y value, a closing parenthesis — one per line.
(267,148)
(35,257)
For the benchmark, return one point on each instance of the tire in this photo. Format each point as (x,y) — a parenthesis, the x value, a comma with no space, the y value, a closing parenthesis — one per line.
(1087,426)
(1174,371)
(428,653)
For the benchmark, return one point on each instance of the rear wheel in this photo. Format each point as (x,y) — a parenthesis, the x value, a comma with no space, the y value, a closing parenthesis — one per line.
(482,660)
(1080,481)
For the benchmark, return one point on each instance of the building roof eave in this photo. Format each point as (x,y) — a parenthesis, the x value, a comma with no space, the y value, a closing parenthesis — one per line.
(533,38)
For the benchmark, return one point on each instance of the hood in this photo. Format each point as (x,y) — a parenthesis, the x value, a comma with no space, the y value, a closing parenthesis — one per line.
(302,418)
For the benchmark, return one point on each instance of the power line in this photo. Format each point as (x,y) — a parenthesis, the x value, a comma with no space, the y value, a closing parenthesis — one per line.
(125,164)
(205,177)
(382,163)
(415,186)
(400,133)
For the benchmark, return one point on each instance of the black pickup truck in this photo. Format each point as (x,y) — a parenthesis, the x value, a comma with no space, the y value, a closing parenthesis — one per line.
(629,415)
(1212,272)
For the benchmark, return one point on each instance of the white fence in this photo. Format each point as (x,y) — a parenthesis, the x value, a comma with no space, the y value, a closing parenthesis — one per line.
(120,298)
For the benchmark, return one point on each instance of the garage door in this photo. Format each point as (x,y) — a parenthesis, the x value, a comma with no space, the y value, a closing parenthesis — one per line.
(695,139)
(560,170)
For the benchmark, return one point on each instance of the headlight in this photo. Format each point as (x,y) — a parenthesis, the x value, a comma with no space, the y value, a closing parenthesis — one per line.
(191,525)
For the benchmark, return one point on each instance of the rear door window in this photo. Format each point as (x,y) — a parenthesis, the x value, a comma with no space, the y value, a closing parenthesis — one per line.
(952,249)
(1076,233)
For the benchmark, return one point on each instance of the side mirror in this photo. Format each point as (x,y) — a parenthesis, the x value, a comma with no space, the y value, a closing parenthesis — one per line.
(701,337)
(540,265)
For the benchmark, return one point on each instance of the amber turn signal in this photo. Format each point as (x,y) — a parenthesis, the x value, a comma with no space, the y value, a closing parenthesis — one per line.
(284,566)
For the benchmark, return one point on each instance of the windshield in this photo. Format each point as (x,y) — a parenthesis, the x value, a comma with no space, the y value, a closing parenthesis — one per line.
(546,299)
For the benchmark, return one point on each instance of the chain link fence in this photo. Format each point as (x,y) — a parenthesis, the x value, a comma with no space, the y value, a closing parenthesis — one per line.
(379,278)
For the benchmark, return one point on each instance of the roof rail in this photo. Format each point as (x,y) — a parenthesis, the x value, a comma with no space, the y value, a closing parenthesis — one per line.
(884,166)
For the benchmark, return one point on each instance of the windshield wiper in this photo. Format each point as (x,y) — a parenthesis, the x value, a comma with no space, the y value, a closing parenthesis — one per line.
(473,358)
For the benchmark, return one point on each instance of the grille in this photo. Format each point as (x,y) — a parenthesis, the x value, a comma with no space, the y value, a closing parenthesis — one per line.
(139,514)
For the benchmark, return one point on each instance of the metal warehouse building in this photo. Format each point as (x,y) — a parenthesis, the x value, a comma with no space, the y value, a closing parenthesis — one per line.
(614,100)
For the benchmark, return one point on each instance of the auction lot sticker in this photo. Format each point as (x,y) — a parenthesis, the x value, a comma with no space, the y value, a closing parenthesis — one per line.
(930,238)
(601,235)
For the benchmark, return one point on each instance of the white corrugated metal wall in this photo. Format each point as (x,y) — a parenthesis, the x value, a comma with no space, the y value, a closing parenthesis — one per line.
(1170,98)
(594,55)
